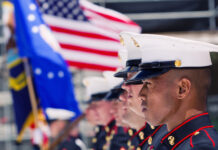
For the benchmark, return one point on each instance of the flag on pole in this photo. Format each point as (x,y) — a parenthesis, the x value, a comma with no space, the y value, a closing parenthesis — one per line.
(88,34)
(52,79)
(20,95)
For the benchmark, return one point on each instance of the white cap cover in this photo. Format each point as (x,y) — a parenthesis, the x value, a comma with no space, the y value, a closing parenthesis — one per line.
(132,50)
(112,81)
(96,85)
(185,53)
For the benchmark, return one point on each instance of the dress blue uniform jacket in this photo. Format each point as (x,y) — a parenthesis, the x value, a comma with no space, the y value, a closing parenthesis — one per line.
(133,141)
(196,133)
(152,142)
(119,140)
(99,140)
(146,134)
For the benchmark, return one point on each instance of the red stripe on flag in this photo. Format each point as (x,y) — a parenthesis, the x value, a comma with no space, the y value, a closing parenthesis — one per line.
(83,34)
(89,50)
(129,22)
(82,65)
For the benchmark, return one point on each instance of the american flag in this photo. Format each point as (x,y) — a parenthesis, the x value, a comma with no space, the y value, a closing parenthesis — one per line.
(88,34)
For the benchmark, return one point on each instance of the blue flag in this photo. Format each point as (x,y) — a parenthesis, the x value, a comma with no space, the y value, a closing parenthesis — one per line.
(19,91)
(52,79)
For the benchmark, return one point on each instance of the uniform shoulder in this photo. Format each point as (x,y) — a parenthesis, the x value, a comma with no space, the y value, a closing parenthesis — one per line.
(206,139)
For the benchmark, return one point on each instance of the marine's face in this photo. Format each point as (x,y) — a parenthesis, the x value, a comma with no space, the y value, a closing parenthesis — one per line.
(103,110)
(158,99)
(131,119)
(91,114)
(123,98)
(119,112)
(132,96)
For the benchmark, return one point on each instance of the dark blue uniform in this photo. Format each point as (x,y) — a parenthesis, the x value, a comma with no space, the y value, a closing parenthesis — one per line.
(110,131)
(154,139)
(195,133)
(133,141)
(119,140)
(143,135)
(98,140)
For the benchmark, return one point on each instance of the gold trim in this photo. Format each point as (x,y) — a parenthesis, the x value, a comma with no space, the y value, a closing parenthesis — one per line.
(122,41)
(135,42)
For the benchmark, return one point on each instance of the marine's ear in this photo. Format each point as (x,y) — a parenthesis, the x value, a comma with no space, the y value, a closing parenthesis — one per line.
(184,87)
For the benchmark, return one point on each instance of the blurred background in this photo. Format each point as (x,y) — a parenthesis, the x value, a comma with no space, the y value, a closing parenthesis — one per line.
(191,19)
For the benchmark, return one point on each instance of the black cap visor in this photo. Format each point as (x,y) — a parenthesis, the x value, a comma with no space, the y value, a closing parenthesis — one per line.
(123,73)
(114,94)
(96,97)
(145,74)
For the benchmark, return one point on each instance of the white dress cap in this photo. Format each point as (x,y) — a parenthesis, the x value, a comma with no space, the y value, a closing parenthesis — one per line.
(112,81)
(96,85)
(185,53)
(130,55)
(130,45)
(122,54)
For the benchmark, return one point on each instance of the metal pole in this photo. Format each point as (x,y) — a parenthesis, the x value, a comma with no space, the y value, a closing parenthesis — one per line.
(212,19)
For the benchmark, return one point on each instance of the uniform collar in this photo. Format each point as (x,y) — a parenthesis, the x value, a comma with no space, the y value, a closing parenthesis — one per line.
(185,130)
(146,131)
(149,138)
(110,125)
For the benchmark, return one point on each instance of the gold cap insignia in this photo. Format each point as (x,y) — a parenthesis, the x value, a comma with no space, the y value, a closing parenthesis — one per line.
(171,140)
(121,40)
(178,63)
(152,127)
(150,140)
(141,135)
(135,42)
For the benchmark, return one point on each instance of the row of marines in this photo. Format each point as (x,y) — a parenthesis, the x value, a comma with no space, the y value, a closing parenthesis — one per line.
(157,101)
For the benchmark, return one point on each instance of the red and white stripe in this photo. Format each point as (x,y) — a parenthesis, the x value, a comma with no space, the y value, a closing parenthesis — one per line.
(93,44)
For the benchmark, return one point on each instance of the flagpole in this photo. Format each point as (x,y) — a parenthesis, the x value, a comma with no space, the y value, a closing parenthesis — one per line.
(65,133)
(31,91)
(32,94)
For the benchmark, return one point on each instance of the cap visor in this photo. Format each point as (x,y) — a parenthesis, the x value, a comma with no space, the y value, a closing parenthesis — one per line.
(145,74)
(114,94)
(123,73)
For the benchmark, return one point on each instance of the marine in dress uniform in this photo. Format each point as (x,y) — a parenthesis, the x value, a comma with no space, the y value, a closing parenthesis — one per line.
(133,141)
(184,66)
(119,134)
(148,136)
(99,139)
(97,88)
